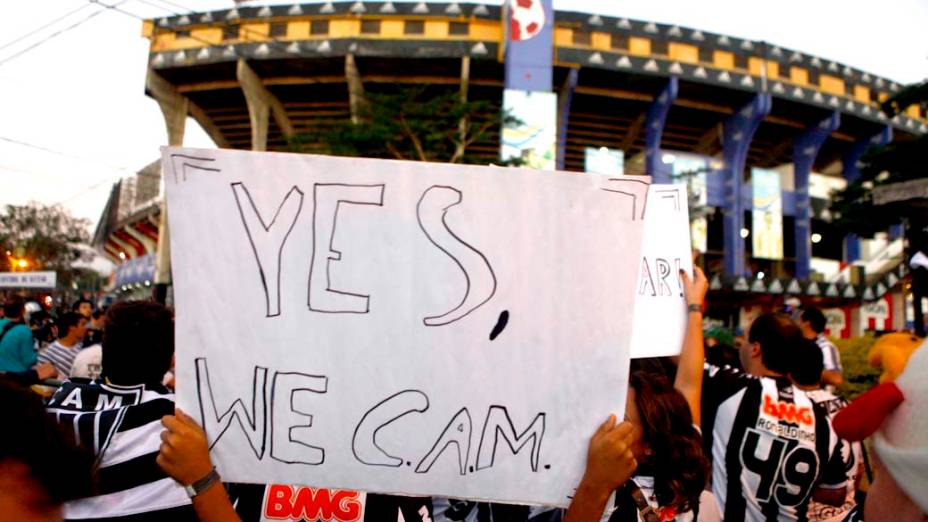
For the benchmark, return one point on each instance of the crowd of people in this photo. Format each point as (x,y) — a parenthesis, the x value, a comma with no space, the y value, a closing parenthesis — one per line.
(751,430)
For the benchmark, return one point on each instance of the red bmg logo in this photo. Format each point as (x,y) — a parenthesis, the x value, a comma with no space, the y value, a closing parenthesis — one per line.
(283,502)
(788,411)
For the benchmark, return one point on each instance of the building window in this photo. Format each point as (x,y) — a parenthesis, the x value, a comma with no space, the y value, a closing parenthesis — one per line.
(414,27)
(582,37)
(319,27)
(182,34)
(370,26)
(783,71)
(741,61)
(659,47)
(619,41)
(279,30)
(705,55)
(459,28)
(813,77)
(230,32)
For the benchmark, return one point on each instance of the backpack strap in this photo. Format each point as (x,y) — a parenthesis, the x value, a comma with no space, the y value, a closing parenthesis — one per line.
(631,503)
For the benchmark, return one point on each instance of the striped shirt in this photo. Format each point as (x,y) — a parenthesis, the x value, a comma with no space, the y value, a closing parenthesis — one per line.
(853,455)
(61,356)
(771,446)
(830,356)
(122,424)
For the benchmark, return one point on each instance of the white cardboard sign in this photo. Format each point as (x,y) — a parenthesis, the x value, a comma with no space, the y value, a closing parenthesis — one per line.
(660,310)
(401,327)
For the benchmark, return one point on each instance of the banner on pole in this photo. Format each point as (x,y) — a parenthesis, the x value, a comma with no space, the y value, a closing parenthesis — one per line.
(401,327)
(767,216)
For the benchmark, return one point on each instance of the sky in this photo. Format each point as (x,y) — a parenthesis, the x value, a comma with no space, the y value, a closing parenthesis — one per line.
(74,117)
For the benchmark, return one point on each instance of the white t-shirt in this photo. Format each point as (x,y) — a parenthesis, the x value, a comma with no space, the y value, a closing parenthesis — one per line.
(88,364)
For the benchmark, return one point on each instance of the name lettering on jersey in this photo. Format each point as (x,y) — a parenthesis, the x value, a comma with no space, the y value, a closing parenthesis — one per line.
(787,411)
(787,432)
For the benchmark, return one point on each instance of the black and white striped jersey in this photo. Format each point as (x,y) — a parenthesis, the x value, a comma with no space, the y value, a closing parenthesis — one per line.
(831,358)
(122,424)
(771,446)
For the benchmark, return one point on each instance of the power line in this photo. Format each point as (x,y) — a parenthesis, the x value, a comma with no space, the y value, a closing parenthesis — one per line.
(53,35)
(137,17)
(101,182)
(84,191)
(167,2)
(158,6)
(59,153)
(66,200)
(45,26)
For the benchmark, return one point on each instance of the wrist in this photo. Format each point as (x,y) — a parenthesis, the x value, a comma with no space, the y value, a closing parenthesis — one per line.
(694,307)
(203,484)
(594,488)
(196,475)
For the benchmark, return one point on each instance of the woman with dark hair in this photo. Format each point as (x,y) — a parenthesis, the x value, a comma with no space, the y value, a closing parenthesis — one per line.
(651,467)
(672,469)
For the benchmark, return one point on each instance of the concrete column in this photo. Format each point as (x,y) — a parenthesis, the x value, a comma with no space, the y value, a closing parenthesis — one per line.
(654,131)
(737,136)
(805,150)
(261,105)
(461,146)
(563,114)
(356,97)
(851,170)
(174,108)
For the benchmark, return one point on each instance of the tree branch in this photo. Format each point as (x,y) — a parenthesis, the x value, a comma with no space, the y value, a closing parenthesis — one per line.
(412,137)
(391,148)
(479,134)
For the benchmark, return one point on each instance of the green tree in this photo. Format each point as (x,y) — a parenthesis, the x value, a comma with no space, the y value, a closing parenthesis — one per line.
(421,123)
(46,237)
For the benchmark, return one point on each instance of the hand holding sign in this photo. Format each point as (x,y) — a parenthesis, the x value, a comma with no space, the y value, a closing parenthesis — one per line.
(610,464)
(184,454)
(694,288)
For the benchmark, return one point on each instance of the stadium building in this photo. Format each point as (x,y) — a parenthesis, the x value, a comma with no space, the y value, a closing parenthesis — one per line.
(760,132)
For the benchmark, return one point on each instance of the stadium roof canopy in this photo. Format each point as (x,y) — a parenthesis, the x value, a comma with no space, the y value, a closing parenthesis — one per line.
(303,57)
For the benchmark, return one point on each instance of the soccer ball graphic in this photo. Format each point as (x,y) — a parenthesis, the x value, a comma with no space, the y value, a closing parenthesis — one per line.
(526,19)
